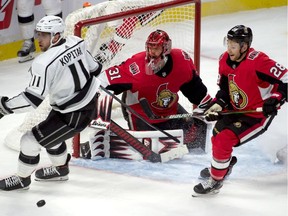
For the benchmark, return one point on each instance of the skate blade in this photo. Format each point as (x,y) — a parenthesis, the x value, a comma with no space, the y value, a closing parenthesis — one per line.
(207,194)
(17,189)
(62,178)
(26,58)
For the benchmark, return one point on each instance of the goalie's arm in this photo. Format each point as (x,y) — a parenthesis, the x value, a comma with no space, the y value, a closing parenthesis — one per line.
(196,91)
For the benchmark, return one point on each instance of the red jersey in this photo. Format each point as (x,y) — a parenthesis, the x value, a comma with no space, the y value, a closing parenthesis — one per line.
(161,89)
(251,81)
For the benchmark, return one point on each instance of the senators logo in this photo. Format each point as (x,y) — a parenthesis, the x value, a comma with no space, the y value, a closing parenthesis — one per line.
(165,98)
(238,97)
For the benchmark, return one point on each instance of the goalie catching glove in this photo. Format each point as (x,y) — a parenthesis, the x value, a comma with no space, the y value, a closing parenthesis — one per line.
(272,104)
(4,110)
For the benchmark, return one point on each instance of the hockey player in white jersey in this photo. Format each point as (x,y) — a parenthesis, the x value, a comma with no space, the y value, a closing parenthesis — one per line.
(66,72)
(27,25)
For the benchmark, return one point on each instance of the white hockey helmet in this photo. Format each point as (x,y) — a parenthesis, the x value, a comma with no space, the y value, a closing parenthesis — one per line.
(51,24)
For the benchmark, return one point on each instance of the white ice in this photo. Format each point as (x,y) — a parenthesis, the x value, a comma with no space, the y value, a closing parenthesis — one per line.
(257,186)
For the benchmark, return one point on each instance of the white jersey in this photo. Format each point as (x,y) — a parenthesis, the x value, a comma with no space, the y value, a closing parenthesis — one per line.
(63,72)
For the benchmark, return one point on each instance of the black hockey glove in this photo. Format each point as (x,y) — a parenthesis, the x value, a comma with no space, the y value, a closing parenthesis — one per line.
(4,110)
(272,104)
(212,112)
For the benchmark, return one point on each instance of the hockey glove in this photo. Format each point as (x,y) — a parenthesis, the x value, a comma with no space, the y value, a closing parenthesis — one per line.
(216,105)
(272,104)
(212,114)
(4,110)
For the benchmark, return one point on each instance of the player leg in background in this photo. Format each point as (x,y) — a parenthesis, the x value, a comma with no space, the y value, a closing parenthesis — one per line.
(122,34)
(50,134)
(27,24)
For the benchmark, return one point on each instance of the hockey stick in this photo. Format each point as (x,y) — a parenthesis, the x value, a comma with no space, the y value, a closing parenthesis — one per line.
(138,115)
(145,105)
(134,142)
(147,153)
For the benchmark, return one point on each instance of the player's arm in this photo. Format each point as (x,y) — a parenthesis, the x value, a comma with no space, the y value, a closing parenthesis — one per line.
(95,67)
(275,74)
(17,104)
(220,101)
(117,78)
(196,91)
(31,97)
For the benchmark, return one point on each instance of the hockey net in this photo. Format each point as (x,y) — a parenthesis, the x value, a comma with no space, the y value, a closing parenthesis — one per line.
(128,23)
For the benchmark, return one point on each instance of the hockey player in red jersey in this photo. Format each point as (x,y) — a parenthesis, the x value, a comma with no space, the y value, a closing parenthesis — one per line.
(248,79)
(158,74)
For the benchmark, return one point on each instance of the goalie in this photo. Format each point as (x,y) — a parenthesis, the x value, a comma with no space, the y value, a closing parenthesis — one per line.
(158,74)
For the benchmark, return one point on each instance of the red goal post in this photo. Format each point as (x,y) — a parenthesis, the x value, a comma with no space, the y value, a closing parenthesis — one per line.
(99,24)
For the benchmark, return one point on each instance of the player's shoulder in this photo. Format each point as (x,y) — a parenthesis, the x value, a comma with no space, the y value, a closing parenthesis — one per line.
(136,58)
(223,56)
(255,54)
(180,54)
(139,55)
(72,40)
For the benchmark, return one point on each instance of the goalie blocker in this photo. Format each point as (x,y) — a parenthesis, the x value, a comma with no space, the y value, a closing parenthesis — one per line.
(105,141)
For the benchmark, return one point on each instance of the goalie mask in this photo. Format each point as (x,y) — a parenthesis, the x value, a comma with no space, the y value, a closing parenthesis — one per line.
(158,46)
(53,25)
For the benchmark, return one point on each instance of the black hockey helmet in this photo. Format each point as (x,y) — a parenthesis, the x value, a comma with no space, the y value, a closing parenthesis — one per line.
(240,33)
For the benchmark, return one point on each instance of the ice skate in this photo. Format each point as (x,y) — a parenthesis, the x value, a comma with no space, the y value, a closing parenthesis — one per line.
(27,52)
(15,182)
(210,186)
(205,173)
(53,173)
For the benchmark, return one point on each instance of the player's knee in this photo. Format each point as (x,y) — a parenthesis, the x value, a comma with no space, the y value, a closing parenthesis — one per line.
(29,145)
(223,143)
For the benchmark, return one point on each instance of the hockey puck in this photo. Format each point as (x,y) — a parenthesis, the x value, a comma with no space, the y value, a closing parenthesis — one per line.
(41,203)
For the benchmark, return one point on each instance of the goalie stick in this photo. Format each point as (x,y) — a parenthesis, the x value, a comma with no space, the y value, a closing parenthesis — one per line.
(138,115)
(146,107)
(134,142)
(147,153)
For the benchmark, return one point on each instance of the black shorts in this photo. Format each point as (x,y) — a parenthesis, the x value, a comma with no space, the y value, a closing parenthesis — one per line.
(58,127)
(245,127)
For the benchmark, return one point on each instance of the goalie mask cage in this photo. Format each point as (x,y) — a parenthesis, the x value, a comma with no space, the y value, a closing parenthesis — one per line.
(129,22)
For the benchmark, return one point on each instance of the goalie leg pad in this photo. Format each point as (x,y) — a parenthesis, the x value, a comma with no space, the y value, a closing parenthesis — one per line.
(154,140)
(100,144)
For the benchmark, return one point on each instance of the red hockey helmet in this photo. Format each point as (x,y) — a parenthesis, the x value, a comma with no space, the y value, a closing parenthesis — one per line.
(158,38)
